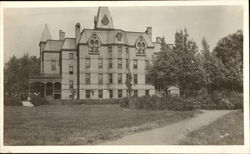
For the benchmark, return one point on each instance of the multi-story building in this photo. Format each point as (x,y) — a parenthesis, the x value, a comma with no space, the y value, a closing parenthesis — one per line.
(96,62)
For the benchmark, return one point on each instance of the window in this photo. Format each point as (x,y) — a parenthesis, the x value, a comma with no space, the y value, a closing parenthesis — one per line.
(119,51)
(146,64)
(87,93)
(87,62)
(127,50)
(146,79)
(100,93)
(119,93)
(71,70)
(53,65)
(110,93)
(147,92)
(136,93)
(127,65)
(119,78)
(140,46)
(71,55)
(143,48)
(119,63)
(100,63)
(110,63)
(94,44)
(100,78)
(87,78)
(110,51)
(135,79)
(110,78)
(135,63)
(71,84)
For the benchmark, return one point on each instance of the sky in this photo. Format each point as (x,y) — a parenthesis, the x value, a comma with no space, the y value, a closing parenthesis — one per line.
(23,27)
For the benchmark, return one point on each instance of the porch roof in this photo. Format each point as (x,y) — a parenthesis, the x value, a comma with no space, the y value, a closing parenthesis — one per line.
(44,78)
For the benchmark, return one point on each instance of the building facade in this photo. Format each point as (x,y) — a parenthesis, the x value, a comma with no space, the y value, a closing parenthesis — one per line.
(96,62)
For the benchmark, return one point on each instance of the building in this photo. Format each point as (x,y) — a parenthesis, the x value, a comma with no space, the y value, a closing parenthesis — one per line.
(96,62)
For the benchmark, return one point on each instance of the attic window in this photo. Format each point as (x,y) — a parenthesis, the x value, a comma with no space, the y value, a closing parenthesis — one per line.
(118,36)
(94,44)
(140,47)
(105,20)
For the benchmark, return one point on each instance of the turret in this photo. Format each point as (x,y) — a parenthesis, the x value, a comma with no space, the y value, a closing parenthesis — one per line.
(45,37)
(103,19)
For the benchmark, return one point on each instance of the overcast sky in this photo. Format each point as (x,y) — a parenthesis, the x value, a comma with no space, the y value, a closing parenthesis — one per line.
(23,27)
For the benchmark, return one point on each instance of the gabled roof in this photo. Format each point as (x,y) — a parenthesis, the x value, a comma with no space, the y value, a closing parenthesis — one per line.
(103,18)
(46,34)
(69,43)
(53,45)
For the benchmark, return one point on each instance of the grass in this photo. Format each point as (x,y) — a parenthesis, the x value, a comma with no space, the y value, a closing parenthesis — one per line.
(228,130)
(79,124)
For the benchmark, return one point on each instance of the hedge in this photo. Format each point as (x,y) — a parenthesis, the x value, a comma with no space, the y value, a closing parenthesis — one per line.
(217,100)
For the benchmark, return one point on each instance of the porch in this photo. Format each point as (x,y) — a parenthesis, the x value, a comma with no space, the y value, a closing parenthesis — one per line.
(47,86)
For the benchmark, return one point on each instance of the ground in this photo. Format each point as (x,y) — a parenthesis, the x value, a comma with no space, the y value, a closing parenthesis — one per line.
(80,124)
(228,130)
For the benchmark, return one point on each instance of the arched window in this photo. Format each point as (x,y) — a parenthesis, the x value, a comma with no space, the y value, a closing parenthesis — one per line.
(94,44)
(140,46)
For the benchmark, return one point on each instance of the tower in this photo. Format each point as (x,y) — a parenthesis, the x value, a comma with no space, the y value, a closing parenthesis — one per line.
(45,37)
(103,19)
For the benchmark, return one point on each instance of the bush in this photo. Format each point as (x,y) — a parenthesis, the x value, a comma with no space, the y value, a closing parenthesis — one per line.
(37,100)
(85,101)
(221,100)
(156,103)
(12,101)
(217,100)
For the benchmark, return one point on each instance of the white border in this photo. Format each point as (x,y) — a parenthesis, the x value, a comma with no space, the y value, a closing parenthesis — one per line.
(133,149)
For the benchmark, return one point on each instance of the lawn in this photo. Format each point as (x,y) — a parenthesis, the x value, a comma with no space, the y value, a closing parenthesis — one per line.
(79,124)
(228,130)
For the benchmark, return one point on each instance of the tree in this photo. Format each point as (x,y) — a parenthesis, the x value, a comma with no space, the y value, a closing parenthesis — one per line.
(189,75)
(230,51)
(162,72)
(16,73)
(206,63)
(214,70)
(129,83)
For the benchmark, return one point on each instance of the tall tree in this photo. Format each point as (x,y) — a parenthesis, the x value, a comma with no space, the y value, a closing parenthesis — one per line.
(189,75)
(17,71)
(162,72)
(230,51)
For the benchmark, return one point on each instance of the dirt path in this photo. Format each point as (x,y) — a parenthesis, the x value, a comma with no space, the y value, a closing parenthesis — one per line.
(170,134)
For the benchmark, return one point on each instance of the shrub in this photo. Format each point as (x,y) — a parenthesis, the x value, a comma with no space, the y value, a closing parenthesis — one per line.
(221,100)
(156,103)
(124,102)
(86,101)
(12,101)
(217,100)
(37,100)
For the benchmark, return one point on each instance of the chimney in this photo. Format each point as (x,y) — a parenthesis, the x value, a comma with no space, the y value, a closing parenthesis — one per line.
(61,35)
(158,39)
(77,31)
(149,32)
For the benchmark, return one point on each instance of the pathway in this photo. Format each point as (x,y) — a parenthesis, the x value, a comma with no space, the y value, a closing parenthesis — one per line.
(172,133)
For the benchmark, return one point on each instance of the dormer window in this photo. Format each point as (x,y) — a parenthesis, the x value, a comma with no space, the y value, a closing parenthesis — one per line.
(94,44)
(140,46)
